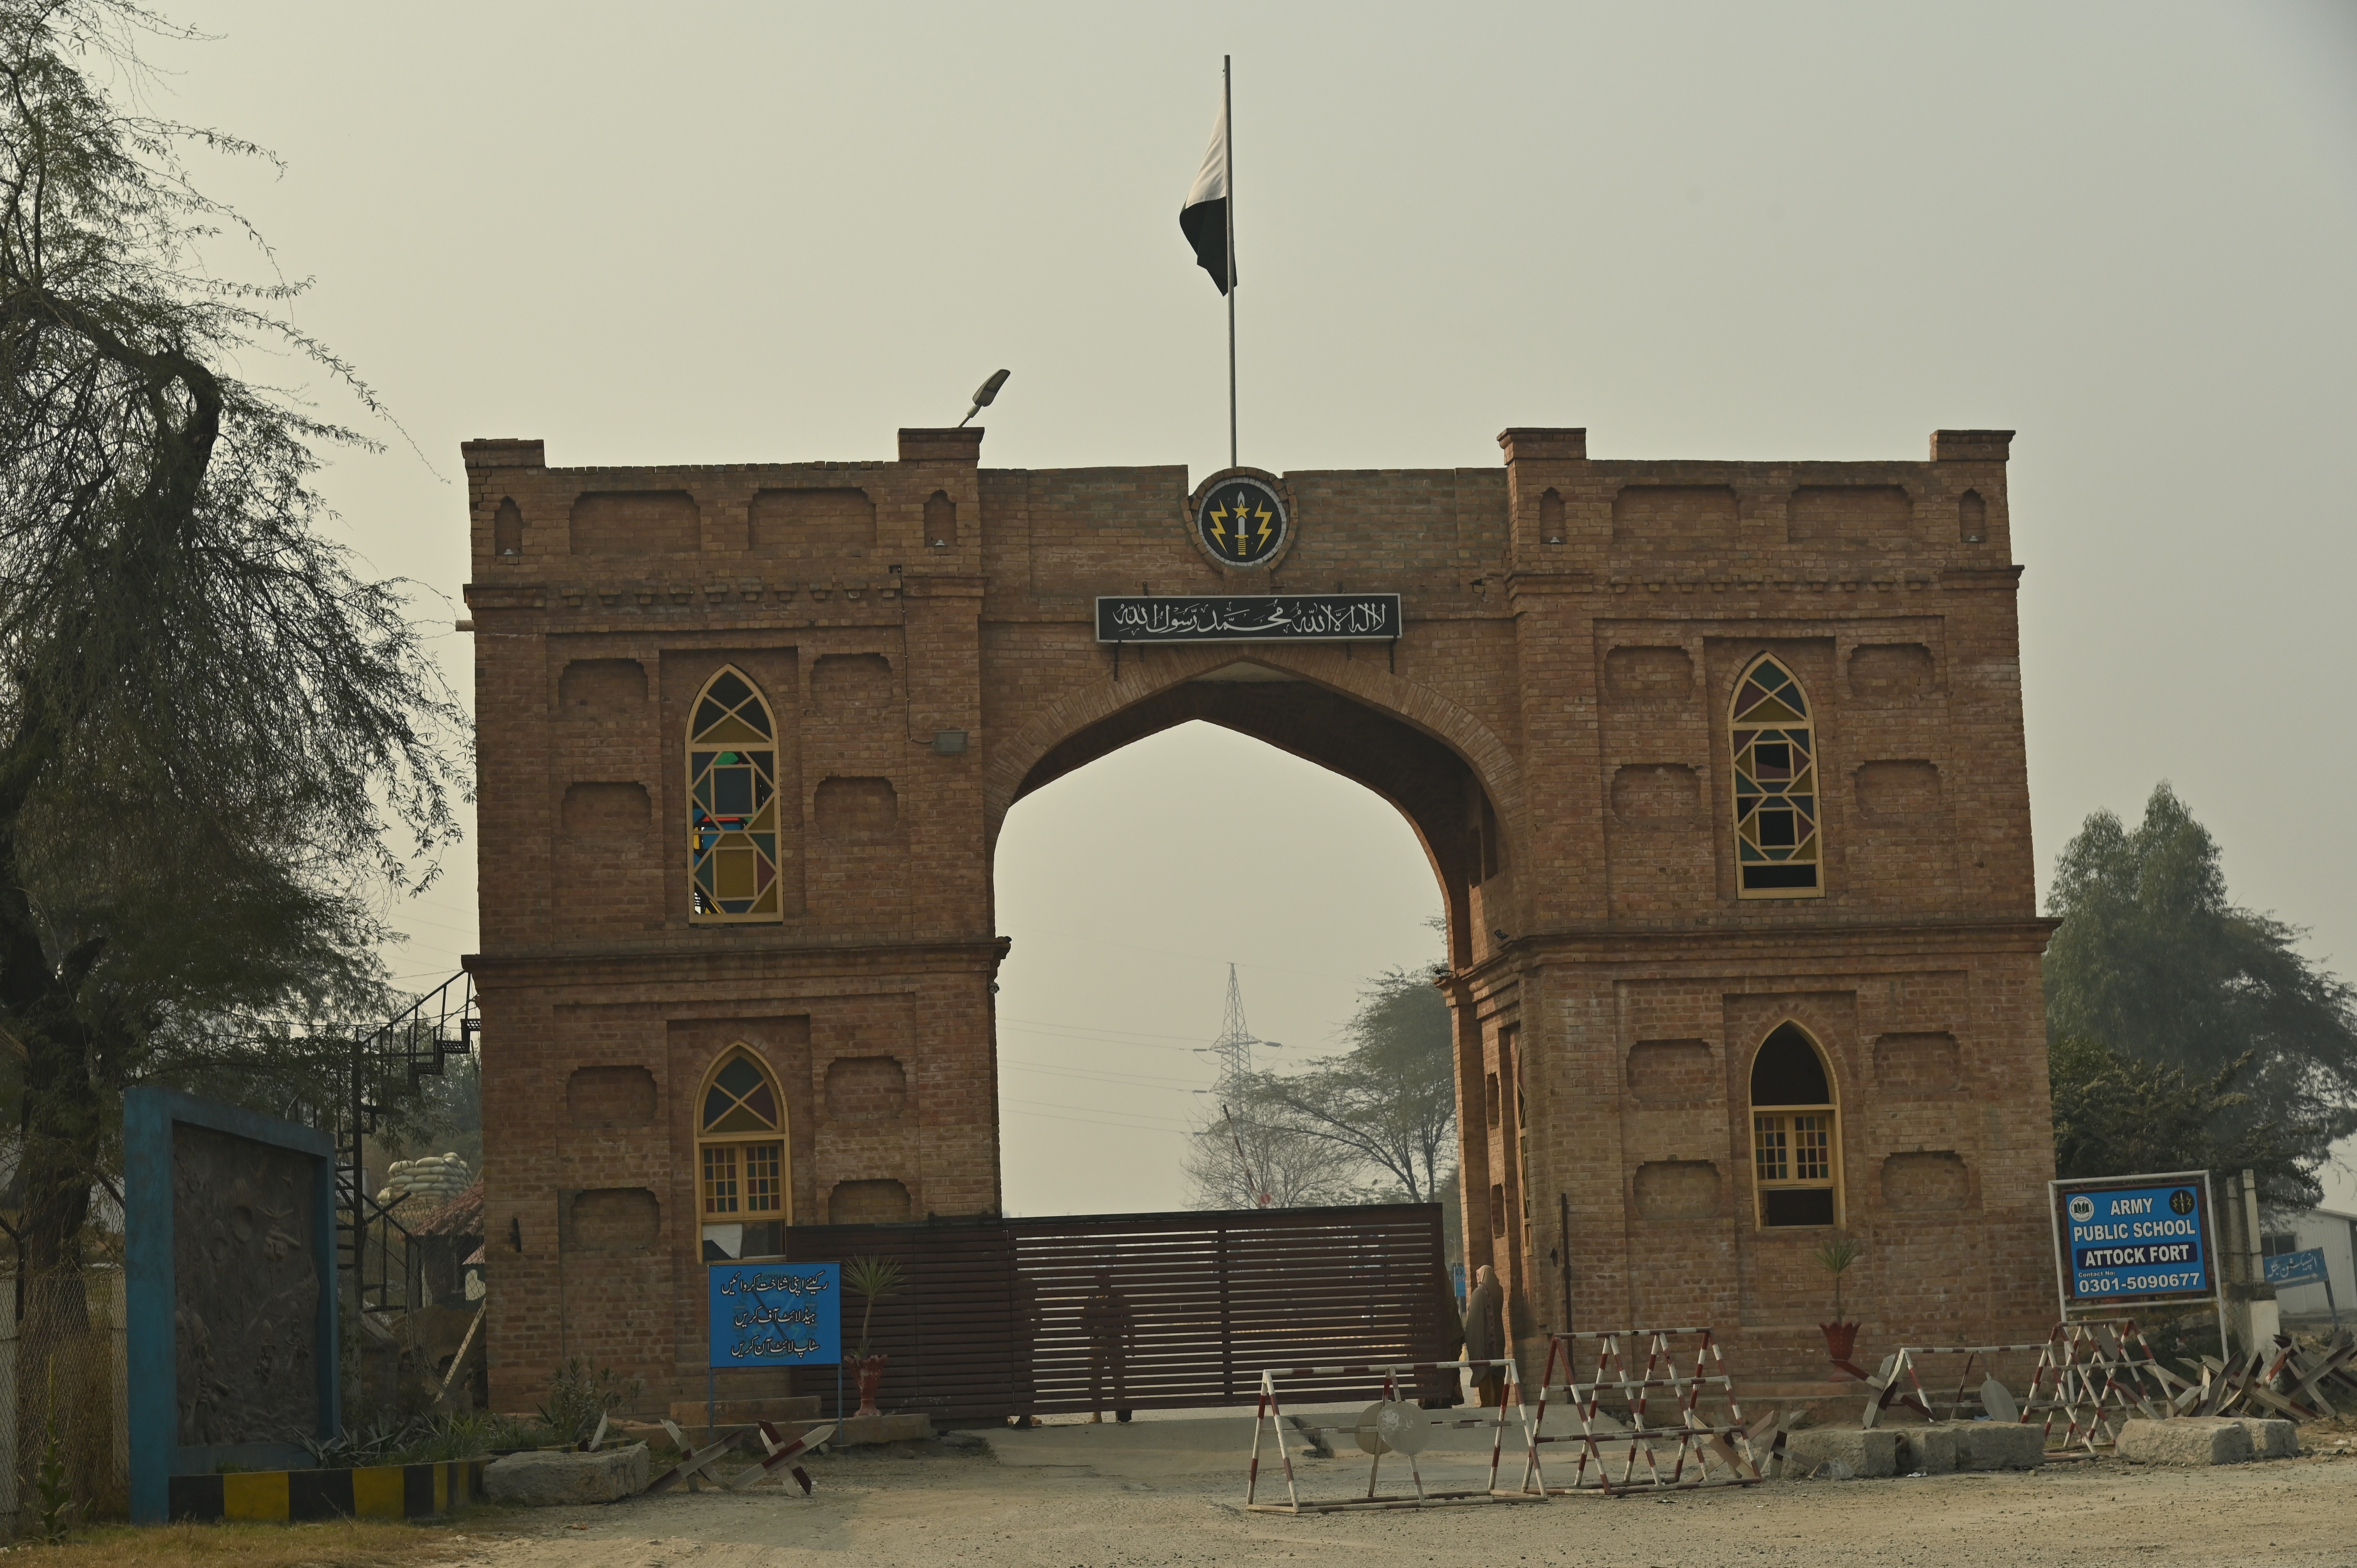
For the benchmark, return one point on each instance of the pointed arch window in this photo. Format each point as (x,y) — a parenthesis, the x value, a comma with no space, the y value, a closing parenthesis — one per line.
(1779,827)
(732,791)
(1795,1132)
(741,1158)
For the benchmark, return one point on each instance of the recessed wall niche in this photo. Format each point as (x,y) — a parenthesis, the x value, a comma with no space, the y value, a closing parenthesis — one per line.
(1665,1071)
(1899,791)
(605,811)
(797,522)
(866,1089)
(1888,670)
(1677,1189)
(601,690)
(856,806)
(610,1097)
(637,522)
(1648,674)
(613,1220)
(507,530)
(1656,792)
(1848,517)
(850,682)
(1675,517)
(867,1203)
(1921,1063)
(1933,1182)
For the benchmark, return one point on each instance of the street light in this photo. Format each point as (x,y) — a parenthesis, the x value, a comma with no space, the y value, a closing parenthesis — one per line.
(984,395)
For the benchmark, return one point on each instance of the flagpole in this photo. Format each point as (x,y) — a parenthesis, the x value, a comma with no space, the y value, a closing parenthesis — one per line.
(1228,163)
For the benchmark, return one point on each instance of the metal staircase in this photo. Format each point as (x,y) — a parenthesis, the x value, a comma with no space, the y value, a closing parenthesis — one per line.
(372,1248)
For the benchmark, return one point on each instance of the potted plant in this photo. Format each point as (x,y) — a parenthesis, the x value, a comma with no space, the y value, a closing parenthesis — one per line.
(1841,1335)
(873,1278)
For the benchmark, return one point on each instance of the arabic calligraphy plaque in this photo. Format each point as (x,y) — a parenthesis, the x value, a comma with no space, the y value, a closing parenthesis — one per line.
(243,1217)
(1264,617)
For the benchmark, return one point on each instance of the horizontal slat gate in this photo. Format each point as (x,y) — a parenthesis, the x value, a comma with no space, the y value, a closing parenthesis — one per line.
(1160,1311)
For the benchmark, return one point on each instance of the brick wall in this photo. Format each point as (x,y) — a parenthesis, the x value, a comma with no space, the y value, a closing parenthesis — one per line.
(1554,721)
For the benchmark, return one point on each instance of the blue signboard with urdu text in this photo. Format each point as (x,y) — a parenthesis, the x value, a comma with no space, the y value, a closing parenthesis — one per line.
(2135,1243)
(2297,1268)
(777,1314)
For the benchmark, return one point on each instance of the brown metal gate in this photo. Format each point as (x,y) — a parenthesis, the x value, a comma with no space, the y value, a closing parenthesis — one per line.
(1002,1317)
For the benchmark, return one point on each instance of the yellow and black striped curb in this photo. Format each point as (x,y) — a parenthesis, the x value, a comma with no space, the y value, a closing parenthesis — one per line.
(370,1492)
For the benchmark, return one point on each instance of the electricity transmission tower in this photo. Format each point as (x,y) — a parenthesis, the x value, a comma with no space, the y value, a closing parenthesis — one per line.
(1233,1048)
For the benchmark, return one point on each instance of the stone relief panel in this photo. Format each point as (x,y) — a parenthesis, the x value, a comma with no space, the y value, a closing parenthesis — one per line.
(244,1215)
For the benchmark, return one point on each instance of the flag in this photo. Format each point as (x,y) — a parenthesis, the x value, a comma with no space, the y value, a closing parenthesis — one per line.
(1204,217)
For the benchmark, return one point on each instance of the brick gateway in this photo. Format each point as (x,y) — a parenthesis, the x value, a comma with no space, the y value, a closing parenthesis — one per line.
(1719,767)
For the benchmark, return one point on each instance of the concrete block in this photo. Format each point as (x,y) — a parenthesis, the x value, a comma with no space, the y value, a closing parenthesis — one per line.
(2271,1436)
(863,1429)
(1929,1449)
(1999,1446)
(1842,1452)
(555,1479)
(2185,1440)
(797,1410)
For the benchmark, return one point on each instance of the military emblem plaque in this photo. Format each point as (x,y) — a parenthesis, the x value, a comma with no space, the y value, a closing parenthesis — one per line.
(1242,520)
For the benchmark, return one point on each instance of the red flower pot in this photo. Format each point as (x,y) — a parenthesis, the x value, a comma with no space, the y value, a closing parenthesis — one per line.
(869,1375)
(1841,1338)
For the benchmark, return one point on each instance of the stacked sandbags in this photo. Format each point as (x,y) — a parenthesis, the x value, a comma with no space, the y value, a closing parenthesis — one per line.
(433,1181)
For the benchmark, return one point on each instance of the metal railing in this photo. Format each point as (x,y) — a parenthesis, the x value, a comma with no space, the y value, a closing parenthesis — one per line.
(375,1251)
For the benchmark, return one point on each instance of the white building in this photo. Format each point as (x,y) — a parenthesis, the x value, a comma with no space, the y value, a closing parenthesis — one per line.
(2331,1233)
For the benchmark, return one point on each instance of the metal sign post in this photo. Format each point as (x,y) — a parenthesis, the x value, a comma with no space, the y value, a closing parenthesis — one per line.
(2136,1238)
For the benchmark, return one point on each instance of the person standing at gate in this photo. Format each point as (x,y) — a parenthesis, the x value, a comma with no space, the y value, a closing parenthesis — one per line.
(1485,1336)
(1111,1329)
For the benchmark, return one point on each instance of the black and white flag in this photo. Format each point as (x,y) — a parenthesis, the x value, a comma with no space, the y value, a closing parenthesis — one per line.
(1204,218)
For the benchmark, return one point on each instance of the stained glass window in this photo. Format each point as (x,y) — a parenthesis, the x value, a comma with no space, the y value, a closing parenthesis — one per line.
(1778,837)
(1795,1152)
(732,789)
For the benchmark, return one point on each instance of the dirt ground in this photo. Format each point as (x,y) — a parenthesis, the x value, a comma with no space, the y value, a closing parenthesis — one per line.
(934,1505)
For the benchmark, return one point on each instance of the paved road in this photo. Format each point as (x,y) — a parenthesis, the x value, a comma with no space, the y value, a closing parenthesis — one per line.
(1111,1498)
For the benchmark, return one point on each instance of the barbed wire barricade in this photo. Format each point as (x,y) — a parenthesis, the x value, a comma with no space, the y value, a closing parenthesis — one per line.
(1703,1436)
(1389,1425)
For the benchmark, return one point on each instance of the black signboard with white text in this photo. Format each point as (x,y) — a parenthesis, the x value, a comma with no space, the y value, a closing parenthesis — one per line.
(1263,618)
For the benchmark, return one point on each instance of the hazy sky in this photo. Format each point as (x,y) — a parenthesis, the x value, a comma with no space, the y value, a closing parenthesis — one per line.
(677,233)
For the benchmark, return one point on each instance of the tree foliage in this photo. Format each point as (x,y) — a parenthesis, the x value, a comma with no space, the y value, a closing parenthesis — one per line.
(1387,1105)
(1374,1123)
(2212,1017)
(1237,1159)
(210,726)
(2118,1114)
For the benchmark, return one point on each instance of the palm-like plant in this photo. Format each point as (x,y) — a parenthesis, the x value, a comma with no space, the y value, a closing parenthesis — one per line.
(874,1279)
(1835,1257)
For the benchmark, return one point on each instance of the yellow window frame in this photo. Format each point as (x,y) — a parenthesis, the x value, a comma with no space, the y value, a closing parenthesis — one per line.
(743,1176)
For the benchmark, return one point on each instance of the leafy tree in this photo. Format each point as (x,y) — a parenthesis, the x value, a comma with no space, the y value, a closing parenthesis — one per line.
(210,725)
(1388,1104)
(2155,962)
(1236,1157)
(2117,1114)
